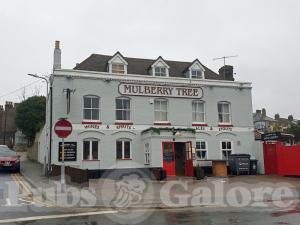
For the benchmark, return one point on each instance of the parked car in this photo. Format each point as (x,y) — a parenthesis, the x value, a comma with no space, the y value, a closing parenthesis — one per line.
(9,160)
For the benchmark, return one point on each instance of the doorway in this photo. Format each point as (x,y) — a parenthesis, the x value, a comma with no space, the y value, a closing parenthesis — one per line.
(179,158)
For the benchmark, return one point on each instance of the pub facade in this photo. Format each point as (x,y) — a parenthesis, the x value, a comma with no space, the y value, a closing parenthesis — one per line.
(139,113)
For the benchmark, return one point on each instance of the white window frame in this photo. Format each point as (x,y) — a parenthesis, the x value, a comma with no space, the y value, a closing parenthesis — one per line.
(91,149)
(159,73)
(197,112)
(221,147)
(201,150)
(123,98)
(118,71)
(117,59)
(197,76)
(99,101)
(161,111)
(147,154)
(123,140)
(222,113)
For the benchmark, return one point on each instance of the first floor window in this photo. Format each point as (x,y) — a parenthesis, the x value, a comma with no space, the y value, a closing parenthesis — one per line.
(147,153)
(201,149)
(90,149)
(91,108)
(123,109)
(224,112)
(160,110)
(123,149)
(198,111)
(226,147)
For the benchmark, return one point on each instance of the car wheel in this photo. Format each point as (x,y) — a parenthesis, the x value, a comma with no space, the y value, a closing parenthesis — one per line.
(17,170)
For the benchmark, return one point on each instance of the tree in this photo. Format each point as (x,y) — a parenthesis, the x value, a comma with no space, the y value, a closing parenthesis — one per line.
(30,116)
(295,130)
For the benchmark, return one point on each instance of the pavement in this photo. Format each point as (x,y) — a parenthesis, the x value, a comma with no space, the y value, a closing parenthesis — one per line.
(175,192)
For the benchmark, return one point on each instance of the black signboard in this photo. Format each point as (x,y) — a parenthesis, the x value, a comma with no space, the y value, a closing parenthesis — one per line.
(271,136)
(70,151)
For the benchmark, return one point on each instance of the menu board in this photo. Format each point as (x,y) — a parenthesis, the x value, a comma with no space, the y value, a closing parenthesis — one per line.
(70,151)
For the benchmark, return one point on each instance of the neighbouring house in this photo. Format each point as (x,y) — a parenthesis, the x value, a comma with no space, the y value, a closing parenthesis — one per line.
(132,113)
(7,124)
(266,124)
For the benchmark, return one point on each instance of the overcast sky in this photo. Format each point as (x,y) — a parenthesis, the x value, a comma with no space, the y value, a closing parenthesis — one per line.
(264,34)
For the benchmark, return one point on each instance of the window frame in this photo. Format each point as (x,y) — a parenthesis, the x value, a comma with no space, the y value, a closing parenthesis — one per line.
(130,113)
(91,140)
(123,140)
(221,148)
(222,113)
(195,112)
(99,108)
(201,150)
(161,111)
(160,72)
(196,70)
(147,154)
(118,71)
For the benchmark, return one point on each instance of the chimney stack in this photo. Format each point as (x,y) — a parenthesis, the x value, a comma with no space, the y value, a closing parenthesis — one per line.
(291,118)
(258,112)
(277,116)
(226,72)
(8,106)
(57,56)
(264,112)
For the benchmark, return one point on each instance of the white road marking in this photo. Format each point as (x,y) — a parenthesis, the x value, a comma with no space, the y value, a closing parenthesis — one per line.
(57,216)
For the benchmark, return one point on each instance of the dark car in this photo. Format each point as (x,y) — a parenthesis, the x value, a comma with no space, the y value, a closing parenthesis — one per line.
(9,160)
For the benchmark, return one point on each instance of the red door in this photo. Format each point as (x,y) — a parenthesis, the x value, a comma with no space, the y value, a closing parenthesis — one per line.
(189,169)
(270,158)
(169,158)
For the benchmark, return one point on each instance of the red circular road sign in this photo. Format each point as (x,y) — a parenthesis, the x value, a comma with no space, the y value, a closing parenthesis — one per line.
(63,128)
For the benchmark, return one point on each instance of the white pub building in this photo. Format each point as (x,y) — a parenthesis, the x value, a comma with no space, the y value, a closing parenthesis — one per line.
(132,113)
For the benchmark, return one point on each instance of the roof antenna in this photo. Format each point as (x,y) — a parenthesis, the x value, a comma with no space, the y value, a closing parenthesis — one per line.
(225,57)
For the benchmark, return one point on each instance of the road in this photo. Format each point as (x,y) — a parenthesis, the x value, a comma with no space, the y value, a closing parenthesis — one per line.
(17,208)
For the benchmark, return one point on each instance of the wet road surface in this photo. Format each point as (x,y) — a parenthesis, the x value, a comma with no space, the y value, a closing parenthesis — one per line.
(199,216)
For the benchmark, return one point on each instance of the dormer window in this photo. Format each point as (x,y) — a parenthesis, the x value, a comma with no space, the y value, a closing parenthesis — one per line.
(160,68)
(196,74)
(117,64)
(196,70)
(160,71)
(118,68)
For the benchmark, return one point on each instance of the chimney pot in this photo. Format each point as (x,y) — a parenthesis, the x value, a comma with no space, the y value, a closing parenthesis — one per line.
(277,116)
(57,44)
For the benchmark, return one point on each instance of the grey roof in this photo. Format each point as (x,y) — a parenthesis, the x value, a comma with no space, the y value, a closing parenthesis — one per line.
(99,63)
(260,117)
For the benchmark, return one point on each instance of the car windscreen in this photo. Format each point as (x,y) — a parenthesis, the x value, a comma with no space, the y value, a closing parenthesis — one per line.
(7,153)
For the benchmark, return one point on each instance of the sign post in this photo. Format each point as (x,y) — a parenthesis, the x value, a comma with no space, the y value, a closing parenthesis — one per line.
(63,128)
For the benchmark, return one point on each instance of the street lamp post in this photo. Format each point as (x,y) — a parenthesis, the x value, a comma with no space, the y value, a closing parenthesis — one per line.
(45,169)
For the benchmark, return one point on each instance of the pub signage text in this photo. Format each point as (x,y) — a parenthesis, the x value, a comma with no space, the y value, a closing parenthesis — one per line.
(160,90)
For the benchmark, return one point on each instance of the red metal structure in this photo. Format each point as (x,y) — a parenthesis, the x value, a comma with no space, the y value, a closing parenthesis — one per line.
(281,160)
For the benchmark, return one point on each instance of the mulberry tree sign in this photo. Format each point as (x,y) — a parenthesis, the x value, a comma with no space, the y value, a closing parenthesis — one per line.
(160,90)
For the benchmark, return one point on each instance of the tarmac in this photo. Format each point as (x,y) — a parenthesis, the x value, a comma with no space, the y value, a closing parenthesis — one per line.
(239,191)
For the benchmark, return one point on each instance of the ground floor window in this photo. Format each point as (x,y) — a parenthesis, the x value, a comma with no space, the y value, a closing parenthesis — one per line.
(226,147)
(147,153)
(90,149)
(201,149)
(123,148)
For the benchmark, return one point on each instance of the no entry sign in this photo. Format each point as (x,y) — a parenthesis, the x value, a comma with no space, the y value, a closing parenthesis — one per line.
(63,128)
